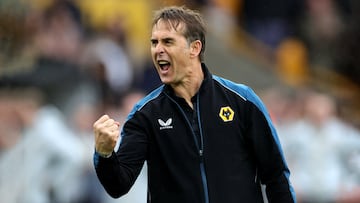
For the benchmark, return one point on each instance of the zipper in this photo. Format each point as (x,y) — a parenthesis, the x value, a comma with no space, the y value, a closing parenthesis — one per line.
(199,146)
(201,152)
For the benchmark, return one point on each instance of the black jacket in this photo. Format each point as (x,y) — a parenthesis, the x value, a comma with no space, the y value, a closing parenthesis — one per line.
(219,154)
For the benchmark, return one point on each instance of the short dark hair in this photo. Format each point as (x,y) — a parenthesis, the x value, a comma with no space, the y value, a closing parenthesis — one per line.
(193,21)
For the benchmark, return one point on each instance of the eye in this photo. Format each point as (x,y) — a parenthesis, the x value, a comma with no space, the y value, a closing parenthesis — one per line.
(167,41)
(154,42)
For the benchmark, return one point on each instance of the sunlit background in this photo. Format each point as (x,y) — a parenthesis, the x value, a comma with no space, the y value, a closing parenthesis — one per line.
(63,63)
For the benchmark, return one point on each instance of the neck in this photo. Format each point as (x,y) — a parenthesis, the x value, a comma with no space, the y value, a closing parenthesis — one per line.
(190,86)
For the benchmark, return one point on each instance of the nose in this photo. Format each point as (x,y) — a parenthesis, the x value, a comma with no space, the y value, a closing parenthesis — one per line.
(159,49)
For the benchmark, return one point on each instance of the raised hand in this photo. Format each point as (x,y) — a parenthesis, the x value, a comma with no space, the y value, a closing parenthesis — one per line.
(106,131)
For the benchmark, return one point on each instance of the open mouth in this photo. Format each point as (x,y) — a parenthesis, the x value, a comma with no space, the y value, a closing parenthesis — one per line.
(164,65)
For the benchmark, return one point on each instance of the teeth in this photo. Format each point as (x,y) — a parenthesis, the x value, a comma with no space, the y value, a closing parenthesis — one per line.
(163,62)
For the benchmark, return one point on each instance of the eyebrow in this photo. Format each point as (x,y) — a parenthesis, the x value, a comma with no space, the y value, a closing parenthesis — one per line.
(168,39)
(163,39)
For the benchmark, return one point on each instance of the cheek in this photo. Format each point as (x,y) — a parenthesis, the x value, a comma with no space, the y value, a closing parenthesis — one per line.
(152,52)
(153,56)
(182,57)
(153,59)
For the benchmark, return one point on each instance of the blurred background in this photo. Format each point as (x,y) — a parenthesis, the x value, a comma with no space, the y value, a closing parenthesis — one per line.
(63,63)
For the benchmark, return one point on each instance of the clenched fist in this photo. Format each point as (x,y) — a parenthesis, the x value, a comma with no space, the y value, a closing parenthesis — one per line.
(106,132)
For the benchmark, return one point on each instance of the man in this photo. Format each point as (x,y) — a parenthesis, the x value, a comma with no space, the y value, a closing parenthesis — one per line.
(205,139)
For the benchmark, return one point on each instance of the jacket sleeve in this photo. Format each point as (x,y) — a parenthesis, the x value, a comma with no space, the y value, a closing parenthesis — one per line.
(118,173)
(271,165)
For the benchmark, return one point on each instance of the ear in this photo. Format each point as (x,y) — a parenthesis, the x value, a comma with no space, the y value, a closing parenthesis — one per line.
(195,48)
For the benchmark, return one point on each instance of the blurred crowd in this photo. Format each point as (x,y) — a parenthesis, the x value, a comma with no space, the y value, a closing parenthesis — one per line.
(63,63)
(322,150)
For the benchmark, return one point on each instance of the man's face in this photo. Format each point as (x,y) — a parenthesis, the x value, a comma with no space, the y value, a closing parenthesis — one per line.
(170,53)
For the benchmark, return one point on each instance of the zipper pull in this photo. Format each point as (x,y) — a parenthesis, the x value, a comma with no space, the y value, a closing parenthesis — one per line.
(201,152)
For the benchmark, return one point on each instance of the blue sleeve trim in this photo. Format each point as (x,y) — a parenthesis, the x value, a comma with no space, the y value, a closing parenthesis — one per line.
(96,159)
(238,89)
(139,105)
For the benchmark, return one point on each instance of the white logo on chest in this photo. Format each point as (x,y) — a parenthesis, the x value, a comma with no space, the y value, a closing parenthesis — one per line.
(165,125)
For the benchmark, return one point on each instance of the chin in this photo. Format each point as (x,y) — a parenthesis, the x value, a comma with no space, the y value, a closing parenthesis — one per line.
(165,80)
